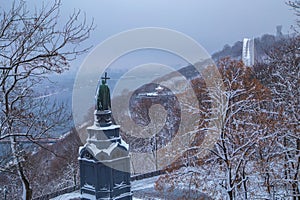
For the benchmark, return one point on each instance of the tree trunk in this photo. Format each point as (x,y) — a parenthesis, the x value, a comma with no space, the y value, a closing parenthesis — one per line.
(245,185)
(229,184)
(27,191)
(296,192)
(230,195)
(295,185)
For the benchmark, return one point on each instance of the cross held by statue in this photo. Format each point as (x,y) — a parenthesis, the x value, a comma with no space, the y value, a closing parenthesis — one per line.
(105,78)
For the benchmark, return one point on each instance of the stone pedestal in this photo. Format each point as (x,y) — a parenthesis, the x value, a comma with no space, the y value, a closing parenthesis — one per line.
(104,163)
(102,118)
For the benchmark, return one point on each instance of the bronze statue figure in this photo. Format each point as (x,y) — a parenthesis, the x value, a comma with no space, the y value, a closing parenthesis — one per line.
(103,101)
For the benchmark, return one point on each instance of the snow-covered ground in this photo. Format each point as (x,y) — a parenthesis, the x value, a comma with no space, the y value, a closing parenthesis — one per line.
(147,183)
(140,185)
(75,195)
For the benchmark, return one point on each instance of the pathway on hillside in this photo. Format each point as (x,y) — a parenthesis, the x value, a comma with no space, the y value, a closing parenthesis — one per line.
(140,185)
(144,189)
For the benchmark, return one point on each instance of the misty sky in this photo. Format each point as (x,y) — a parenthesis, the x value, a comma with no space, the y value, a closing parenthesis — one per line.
(213,23)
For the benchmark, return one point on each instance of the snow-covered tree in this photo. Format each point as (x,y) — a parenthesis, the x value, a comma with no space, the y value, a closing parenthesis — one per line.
(238,131)
(230,109)
(295,5)
(283,77)
(33,44)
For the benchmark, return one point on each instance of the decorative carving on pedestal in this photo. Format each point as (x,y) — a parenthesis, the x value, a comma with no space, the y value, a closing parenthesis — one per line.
(102,118)
(104,159)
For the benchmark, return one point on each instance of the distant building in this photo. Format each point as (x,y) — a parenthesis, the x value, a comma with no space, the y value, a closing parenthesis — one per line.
(279,31)
(248,52)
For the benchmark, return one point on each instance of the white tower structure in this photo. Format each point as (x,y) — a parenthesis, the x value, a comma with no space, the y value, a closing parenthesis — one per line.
(248,52)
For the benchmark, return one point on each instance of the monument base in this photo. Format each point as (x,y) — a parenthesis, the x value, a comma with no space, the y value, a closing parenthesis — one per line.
(105,165)
(102,181)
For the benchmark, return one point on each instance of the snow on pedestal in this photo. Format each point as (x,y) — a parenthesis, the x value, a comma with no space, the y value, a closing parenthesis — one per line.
(105,165)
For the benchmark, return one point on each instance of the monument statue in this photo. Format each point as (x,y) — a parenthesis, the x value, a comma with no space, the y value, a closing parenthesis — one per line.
(103,95)
(104,160)
(103,104)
